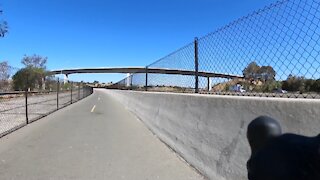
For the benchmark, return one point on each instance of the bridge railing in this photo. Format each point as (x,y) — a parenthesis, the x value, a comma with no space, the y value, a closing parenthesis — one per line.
(35,99)
(276,49)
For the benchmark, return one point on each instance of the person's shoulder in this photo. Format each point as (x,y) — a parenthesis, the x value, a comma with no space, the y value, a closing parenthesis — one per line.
(297,140)
(288,155)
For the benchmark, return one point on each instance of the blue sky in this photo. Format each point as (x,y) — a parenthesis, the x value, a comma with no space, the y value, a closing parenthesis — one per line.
(104,33)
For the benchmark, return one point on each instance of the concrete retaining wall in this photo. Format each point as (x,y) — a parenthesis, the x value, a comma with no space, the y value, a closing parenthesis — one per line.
(209,131)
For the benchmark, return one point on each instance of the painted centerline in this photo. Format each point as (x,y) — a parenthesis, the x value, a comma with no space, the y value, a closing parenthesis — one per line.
(93,108)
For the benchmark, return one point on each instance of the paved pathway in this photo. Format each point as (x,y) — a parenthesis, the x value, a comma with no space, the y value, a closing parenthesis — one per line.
(95,138)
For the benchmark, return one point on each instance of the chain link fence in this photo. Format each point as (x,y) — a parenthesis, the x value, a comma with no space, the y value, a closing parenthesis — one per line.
(272,52)
(35,100)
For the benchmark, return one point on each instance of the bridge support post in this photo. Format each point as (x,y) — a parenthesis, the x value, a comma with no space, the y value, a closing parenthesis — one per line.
(71,84)
(196,64)
(146,85)
(131,76)
(58,88)
(128,81)
(209,84)
(65,79)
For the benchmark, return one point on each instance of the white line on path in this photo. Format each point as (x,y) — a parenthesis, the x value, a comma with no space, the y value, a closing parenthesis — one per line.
(94,107)
(98,98)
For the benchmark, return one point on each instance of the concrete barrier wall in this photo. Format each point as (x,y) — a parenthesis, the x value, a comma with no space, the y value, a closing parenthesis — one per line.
(209,131)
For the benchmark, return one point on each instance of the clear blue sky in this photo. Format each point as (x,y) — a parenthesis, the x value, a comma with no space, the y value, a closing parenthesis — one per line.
(105,33)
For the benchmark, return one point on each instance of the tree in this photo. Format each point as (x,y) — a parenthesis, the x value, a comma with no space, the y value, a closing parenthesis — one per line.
(19,79)
(270,86)
(4,76)
(312,85)
(32,76)
(29,77)
(4,70)
(34,61)
(264,73)
(294,83)
(267,73)
(3,27)
(251,71)
(316,86)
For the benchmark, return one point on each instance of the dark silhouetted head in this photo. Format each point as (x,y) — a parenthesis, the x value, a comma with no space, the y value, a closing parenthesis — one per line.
(261,130)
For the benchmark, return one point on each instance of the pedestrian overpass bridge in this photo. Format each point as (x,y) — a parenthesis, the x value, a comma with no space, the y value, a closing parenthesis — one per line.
(137,70)
(146,70)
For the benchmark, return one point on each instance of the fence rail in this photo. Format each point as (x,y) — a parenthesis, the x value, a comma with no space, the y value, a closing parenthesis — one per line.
(276,49)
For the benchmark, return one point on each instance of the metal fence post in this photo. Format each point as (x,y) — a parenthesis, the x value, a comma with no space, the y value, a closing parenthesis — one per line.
(78,91)
(196,64)
(83,87)
(71,91)
(146,85)
(58,88)
(26,99)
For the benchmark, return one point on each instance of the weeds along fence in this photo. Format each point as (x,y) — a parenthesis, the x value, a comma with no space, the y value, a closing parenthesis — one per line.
(37,99)
(273,52)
